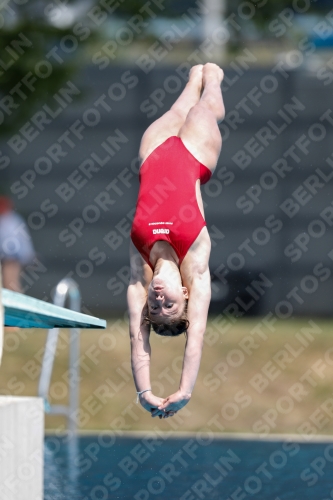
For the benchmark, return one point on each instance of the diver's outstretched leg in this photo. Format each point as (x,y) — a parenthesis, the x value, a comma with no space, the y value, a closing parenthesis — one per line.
(200,132)
(171,122)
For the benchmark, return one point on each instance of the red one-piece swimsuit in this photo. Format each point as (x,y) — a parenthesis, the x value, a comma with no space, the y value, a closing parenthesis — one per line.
(167,208)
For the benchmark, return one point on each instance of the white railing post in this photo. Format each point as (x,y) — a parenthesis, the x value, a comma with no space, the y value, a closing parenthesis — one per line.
(65,288)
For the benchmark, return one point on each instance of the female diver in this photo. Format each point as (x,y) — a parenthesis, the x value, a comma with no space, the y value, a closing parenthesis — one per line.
(169,288)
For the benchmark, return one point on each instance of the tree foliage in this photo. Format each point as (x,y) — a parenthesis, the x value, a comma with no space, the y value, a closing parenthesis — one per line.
(30,43)
(34,21)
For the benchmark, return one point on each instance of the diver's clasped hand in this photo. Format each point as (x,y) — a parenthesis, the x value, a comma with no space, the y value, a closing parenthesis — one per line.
(151,404)
(164,408)
(175,402)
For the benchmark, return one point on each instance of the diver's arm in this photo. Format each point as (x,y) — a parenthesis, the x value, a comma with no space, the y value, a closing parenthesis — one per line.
(197,315)
(140,349)
(139,336)
(139,331)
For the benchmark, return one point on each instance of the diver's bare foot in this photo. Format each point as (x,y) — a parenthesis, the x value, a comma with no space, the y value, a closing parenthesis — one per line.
(195,76)
(212,76)
(212,72)
(196,71)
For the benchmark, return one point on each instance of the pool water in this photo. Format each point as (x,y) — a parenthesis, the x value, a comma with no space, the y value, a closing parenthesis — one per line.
(202,466)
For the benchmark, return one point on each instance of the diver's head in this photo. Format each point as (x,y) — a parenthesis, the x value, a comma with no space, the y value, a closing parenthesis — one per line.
(167,306)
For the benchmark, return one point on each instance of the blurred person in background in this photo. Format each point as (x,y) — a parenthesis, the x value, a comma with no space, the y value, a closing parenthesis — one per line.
(170,246)
(16,248)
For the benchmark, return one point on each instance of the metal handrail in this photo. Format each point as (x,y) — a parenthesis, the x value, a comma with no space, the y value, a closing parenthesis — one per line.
(65,288)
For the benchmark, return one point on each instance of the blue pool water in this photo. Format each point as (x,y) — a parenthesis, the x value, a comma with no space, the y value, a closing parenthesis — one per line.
(102,467)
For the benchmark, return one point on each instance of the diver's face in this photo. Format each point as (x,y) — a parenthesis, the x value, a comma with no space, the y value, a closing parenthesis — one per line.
(165,299)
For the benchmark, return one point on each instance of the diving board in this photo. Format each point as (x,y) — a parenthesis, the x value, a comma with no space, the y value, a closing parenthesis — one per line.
(27,312)
(22,418)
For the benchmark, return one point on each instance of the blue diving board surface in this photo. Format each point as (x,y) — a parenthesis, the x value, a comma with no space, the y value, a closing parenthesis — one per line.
(26,312)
